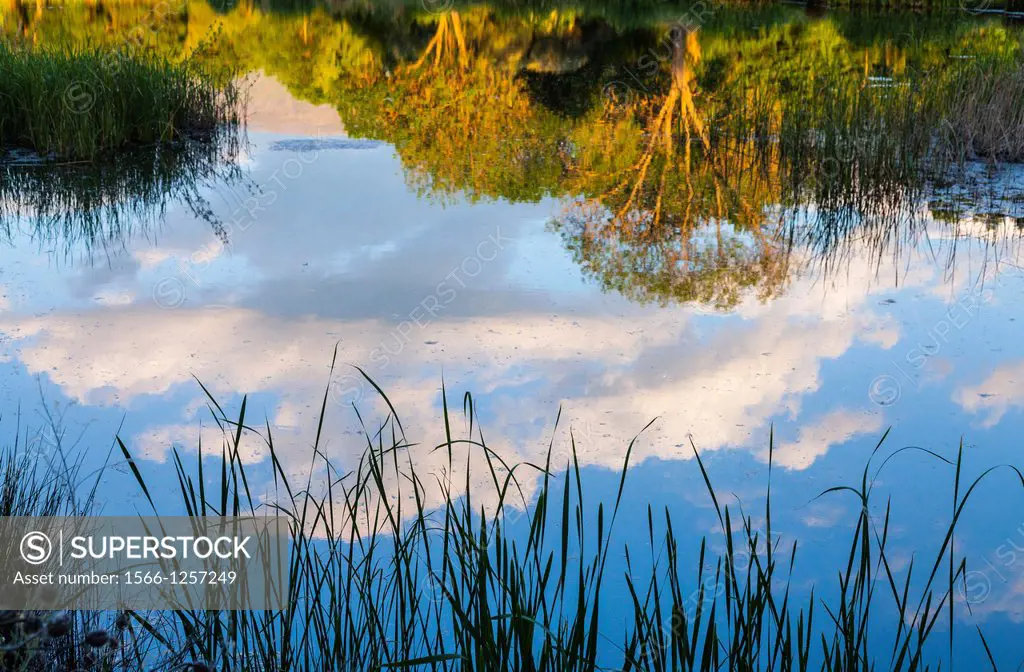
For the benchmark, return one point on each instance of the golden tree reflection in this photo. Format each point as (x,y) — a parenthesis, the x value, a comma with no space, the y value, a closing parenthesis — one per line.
(675,193)
(460,117)
(448,44)
(666,227)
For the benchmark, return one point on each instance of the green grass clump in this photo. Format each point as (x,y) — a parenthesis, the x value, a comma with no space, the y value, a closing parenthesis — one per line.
(81,103)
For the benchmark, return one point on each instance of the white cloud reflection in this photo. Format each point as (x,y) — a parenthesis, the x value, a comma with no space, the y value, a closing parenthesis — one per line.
(264,317)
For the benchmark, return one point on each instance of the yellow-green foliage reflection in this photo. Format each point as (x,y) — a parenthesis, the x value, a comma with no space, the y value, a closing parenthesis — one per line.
(674,147)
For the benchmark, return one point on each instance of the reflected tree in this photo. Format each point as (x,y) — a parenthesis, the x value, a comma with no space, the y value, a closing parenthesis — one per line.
(448,45)
(461,120)
(671,225)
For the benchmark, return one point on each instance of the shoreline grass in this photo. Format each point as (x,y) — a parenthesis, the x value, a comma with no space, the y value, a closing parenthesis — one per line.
(388,582)
(41,476)
(81,103)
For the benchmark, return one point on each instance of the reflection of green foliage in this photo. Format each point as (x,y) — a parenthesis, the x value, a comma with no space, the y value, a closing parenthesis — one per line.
(459,116)
(498,146)
(158,26)
(712,263)
(675,179)
(309,54)
(656,225)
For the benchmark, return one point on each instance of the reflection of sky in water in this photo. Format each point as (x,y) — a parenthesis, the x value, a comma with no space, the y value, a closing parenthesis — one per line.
(484,294)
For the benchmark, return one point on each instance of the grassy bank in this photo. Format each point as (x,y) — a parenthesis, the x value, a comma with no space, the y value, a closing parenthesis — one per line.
(81,103)
(522,583)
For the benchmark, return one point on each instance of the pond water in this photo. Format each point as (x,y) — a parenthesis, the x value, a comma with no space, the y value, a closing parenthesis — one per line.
(445,226)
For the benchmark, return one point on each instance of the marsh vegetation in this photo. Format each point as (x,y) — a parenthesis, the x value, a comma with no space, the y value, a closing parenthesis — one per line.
(79,103)
(500,580)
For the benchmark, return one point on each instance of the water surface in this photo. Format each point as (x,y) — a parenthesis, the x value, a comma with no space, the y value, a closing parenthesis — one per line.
(459,197)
